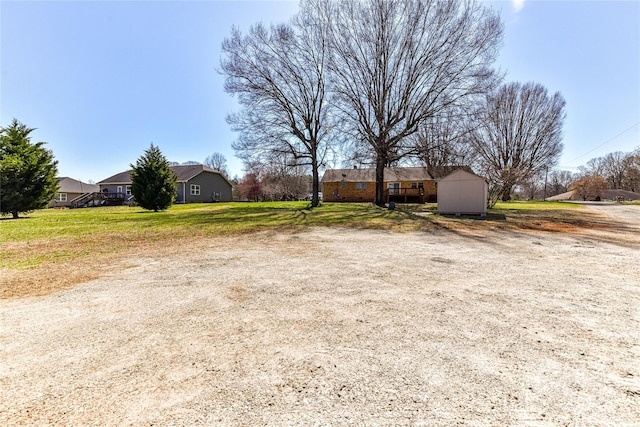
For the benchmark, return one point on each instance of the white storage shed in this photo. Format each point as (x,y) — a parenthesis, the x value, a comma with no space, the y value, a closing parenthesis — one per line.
(462,192)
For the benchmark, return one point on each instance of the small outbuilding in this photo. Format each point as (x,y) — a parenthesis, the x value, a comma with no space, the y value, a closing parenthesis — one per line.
(462,192)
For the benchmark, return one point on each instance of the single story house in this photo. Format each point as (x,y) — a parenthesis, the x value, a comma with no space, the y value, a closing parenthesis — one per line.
(70,191)
(402,184)
(462,192)
(196,184)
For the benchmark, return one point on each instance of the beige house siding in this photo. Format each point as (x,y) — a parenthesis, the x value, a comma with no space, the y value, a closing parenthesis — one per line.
(462,192)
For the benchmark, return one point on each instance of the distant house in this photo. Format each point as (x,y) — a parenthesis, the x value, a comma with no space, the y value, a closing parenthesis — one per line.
(405,185)
(196,184)
(70,191)
(618,195)
(462,192)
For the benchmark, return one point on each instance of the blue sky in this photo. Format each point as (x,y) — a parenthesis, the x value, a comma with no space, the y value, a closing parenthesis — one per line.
(102,80)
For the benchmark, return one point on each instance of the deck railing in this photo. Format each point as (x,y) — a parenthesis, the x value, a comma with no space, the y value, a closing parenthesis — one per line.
(404,194)
(98,199)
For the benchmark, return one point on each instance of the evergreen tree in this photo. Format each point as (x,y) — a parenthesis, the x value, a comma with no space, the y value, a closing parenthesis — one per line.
(27,171)
(153,183)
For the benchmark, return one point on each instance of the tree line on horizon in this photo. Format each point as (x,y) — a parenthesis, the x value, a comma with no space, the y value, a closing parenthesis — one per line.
(28,177)
(613,171)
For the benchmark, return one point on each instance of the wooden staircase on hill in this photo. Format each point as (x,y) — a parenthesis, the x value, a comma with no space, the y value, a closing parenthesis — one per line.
(100,198)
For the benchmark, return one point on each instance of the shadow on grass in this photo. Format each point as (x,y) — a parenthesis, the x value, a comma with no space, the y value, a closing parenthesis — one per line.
(491,216)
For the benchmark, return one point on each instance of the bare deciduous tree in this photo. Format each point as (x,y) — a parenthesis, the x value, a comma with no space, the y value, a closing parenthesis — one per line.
(218,162)
(279,75)
(520,134)
(282,181)
(559,182)
(594,166)
(396,63)
(632,171)
(443,140)
(614,169)
(621,170)
(249,188)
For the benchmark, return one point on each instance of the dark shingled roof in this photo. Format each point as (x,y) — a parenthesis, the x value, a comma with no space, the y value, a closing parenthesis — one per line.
(70,185)
(369,175)
(119,178)
(184,174)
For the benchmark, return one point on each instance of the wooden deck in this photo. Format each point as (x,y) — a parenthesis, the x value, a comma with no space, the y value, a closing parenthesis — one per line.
(101,198)
(406,195)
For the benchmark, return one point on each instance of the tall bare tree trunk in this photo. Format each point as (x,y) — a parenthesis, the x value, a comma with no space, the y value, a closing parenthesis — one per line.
(506,193)
(315,199)
(379,199)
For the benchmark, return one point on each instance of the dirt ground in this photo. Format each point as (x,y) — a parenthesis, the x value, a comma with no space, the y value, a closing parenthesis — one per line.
(341,327)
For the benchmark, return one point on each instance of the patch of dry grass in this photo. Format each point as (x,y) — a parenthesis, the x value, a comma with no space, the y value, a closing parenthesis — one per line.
(59,260)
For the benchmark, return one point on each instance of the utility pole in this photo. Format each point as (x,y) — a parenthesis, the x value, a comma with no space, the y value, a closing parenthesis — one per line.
(546,172)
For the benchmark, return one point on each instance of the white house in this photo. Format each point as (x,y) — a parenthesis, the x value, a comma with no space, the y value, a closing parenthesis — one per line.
(462,192)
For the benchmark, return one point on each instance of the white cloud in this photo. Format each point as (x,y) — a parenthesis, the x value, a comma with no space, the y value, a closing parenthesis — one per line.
(517,5)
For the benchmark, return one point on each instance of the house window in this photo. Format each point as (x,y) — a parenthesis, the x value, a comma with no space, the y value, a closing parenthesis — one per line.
(417,185)
(195,189)
(128,190)
(361,185)
(394,187)
(119,189)
(61,197)
(344,185)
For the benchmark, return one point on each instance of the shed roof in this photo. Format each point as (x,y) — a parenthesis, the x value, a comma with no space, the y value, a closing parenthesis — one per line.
(70,185)
(369,175)
(455,173)
(183,172)
(438,172)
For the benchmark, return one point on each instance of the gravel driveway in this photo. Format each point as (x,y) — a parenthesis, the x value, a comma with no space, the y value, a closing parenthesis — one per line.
(340,327)
(629,214)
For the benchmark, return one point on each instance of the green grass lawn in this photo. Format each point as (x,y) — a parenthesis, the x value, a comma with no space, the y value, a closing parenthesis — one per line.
(194,220)
(534,206)
(66,234)
(227,218)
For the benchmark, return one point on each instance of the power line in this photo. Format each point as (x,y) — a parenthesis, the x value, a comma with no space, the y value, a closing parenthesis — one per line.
(607,141)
